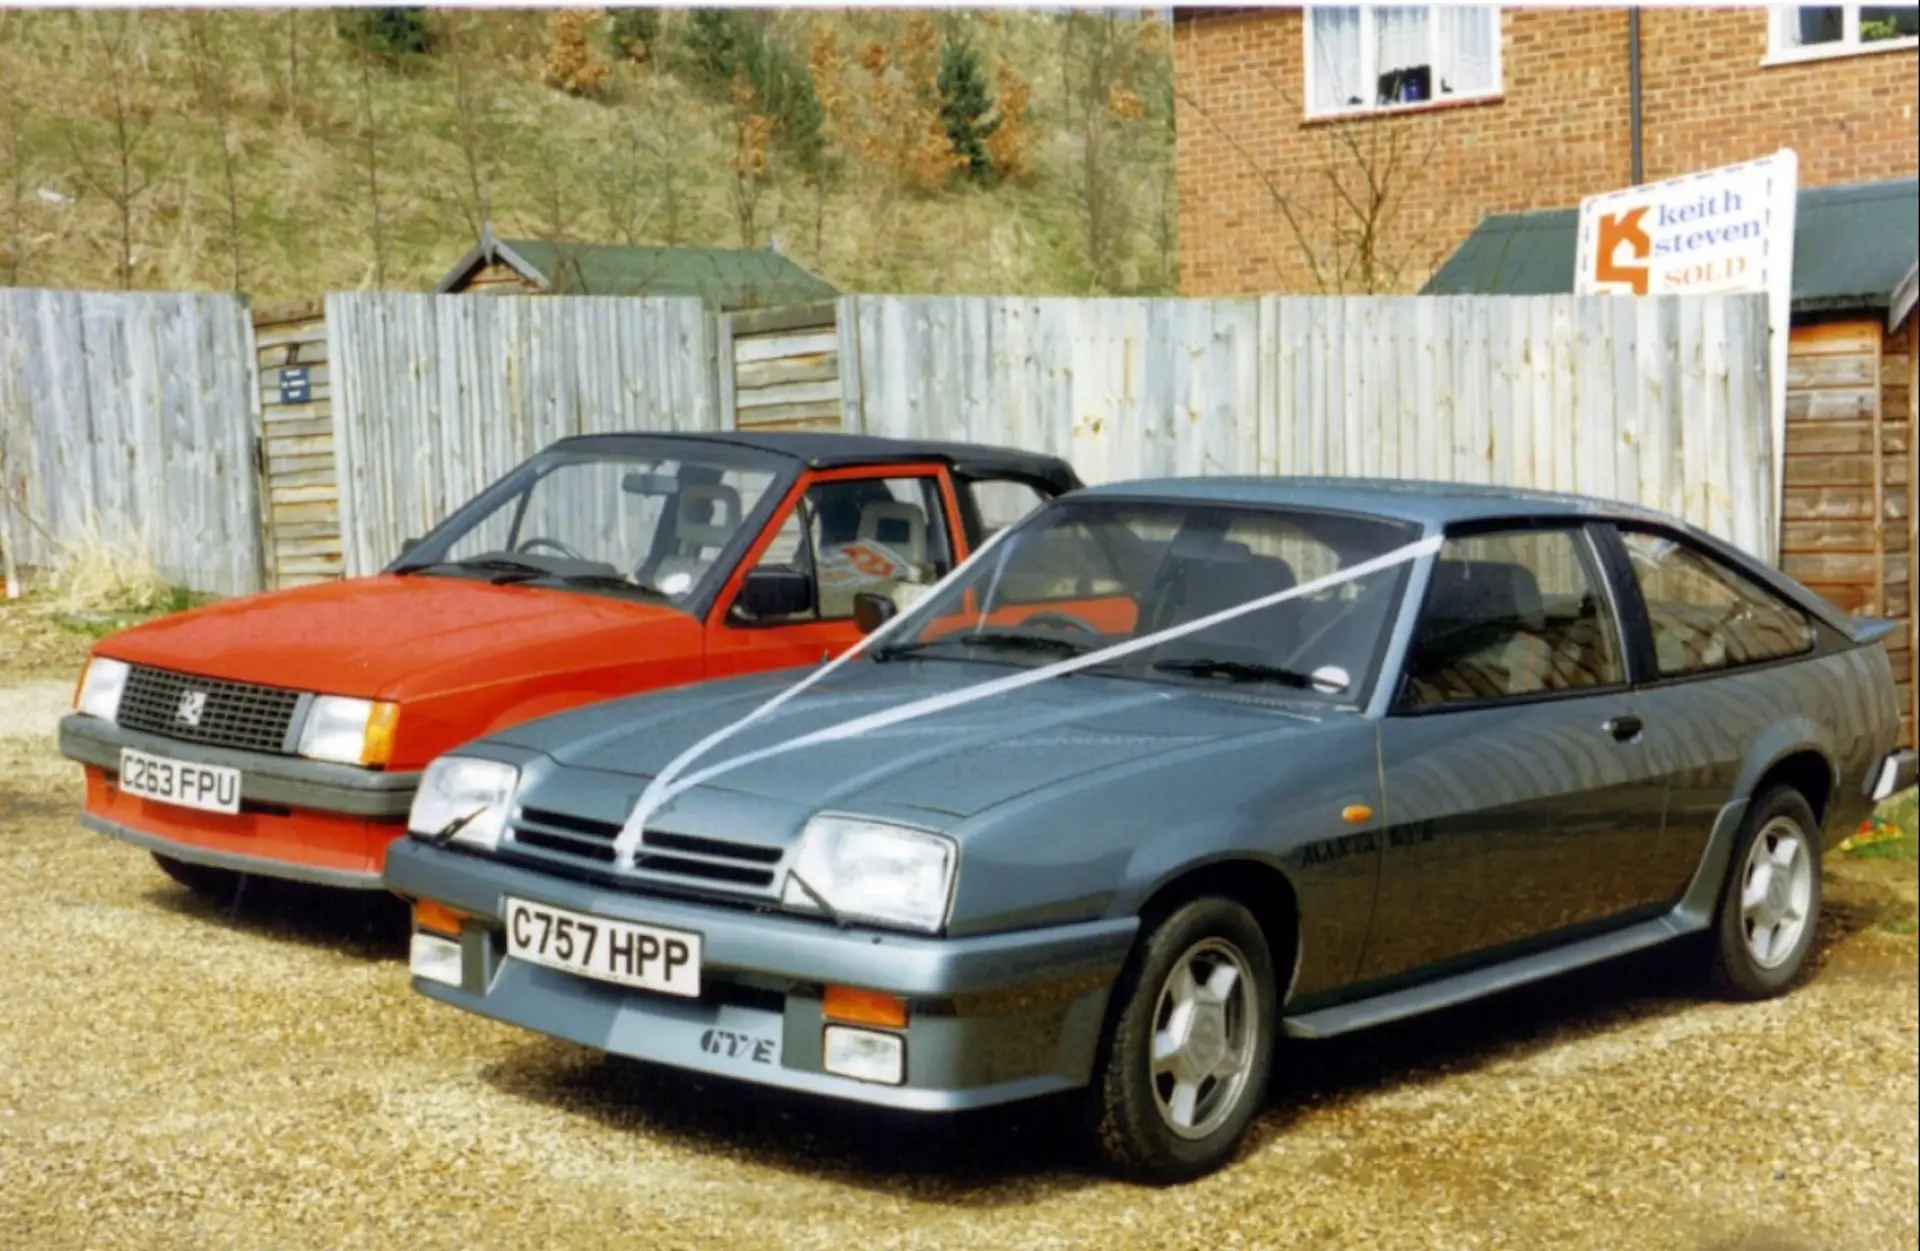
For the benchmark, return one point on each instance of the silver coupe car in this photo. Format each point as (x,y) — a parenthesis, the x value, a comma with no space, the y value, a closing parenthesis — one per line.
(1166,774)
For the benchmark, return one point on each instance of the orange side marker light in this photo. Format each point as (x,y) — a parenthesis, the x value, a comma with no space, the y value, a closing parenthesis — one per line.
(864,1007)
(437,918)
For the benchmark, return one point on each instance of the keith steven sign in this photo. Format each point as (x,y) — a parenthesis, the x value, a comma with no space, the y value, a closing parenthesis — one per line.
(1720,230)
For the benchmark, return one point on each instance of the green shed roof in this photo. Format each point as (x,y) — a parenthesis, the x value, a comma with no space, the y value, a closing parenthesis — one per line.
(1854,247)
(726,278)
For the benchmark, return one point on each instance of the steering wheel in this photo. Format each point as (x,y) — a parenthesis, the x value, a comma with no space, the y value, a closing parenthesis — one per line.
(1058,621)
(528,545)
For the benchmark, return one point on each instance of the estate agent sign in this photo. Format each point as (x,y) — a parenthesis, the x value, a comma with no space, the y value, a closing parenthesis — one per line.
(1720,230)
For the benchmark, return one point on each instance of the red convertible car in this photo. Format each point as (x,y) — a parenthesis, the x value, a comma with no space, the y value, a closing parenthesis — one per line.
(284,734)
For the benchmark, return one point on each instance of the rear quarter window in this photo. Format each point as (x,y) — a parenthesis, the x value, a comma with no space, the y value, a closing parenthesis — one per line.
(1705,616)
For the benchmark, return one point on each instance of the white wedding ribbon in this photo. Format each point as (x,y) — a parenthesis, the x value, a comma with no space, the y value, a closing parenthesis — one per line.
(669,783)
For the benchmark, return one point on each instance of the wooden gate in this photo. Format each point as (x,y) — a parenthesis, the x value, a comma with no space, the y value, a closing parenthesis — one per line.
(1848,505)
(299,481)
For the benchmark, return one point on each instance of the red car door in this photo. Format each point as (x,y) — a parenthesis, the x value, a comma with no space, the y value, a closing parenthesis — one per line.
(883,529)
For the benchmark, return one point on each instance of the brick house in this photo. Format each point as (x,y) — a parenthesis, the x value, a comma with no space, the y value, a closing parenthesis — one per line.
(1444,149)
(1330,149)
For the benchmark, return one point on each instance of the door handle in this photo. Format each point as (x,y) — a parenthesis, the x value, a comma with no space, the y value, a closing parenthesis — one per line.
(1624,729)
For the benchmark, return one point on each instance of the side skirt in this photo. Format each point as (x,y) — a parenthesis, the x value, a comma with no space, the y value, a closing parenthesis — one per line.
(1693,914)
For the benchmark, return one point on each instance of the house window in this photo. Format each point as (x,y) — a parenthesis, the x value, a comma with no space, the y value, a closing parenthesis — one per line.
(1802,31)
(1364,59)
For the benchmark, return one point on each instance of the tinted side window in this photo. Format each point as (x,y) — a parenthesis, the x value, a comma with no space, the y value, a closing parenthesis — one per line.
(1512,614)
(1705,616)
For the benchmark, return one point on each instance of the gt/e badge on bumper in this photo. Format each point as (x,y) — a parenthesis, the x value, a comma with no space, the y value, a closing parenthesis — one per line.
(721,1042)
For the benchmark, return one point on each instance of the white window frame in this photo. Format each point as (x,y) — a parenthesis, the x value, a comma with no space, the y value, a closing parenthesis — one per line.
(1369,72)
(1781,52)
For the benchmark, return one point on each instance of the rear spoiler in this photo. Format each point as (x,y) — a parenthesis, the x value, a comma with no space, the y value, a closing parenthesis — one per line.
(1870,629)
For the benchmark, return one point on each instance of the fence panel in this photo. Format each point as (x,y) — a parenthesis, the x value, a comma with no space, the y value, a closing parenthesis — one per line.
(436,396)
(1124,388)
(129,418)
(1661,402)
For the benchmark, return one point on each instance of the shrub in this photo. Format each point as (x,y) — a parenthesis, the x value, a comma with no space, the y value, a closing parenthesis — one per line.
(571,63)
(98,574)
(391,34)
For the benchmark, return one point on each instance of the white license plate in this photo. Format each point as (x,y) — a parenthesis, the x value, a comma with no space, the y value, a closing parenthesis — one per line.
(210,788)
(645,956)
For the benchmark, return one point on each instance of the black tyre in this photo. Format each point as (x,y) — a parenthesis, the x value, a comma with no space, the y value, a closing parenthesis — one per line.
(202,879)
(1770,904)
(1183,1068)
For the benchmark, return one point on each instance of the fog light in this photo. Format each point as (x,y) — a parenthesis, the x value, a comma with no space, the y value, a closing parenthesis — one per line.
(436,959)
(866,1056)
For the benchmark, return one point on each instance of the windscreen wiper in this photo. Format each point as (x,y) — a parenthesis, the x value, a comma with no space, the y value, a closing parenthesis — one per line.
(1237,671)
(1010,639)
(485,564)
(612,581)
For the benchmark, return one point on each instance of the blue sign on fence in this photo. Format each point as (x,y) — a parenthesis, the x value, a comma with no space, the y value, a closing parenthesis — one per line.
(294,387)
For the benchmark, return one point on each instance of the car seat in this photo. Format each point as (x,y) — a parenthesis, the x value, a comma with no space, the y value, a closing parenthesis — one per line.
(901,527)
(1230,574)
(1482,633)
(705,518)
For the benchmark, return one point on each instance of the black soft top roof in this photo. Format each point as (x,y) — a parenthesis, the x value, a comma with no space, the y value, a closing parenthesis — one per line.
(828,449)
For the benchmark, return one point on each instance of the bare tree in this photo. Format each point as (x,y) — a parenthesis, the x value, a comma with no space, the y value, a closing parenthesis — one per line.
(638,151)
(750,167)
(1371,171)
(553,200)
(370,135)
(207,52)
(1104,79)
(474,131)
(13,134)
(126,173)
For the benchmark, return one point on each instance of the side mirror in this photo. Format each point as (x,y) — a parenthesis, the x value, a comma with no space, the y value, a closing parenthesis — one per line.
(407,545)
(871,611)
(768,593)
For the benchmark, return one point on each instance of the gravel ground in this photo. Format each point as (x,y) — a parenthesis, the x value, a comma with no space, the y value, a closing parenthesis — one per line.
(175,1075)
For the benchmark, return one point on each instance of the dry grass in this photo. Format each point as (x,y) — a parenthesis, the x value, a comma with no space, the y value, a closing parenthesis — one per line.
(547,163)
(36,645)
(102,576)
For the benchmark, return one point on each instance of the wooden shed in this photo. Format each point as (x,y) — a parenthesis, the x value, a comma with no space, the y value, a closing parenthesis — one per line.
(1848,504)
(728,279)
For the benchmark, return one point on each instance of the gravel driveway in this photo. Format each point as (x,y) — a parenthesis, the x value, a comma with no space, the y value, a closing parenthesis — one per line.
(173,1075)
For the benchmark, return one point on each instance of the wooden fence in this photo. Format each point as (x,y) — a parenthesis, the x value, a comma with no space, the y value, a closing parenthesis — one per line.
(129,419)
(1659,401)
(403,406)
(436,396)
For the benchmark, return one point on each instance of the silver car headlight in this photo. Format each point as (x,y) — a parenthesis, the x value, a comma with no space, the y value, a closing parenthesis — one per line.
(101,687)
(463,800)
(875,871)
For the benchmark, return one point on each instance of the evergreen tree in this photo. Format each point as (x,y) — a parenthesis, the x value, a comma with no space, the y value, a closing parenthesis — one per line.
(964,106)
(727,43)
(633,33)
